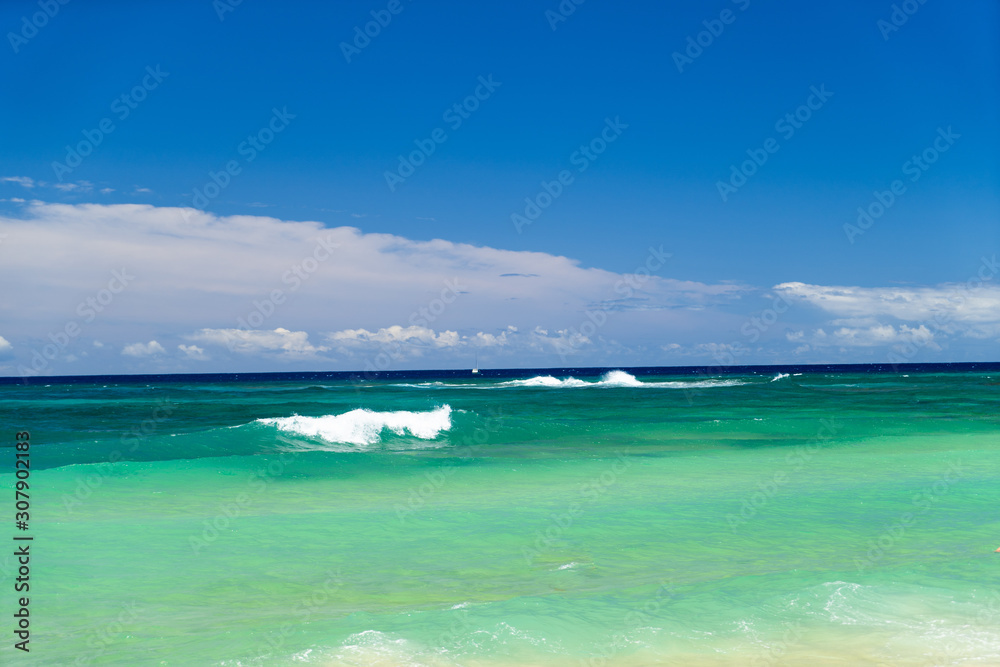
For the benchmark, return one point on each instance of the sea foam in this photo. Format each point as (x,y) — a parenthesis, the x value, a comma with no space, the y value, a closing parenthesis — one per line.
(615,379)
(609,379)
(364,428)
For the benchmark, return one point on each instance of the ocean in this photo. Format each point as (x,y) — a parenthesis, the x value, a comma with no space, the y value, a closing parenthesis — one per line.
(736,516)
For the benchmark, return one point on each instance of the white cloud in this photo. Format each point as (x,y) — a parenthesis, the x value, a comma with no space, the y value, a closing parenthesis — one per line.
(403,343)
(80,186)
(873,336)
(23,181)
(958,303)
(106,191)
(199,271)
(143,349)
(924,316)
(289,344)
(5,344)
(482,339)
(562,342)
(412,335)
(722,352)
(193,352)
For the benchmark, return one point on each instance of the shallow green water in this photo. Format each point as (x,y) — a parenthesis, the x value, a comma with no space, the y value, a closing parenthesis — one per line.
(811,519)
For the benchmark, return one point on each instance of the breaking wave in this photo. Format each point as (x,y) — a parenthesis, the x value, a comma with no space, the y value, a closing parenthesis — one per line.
(365,428)
(610,379)
(615,379)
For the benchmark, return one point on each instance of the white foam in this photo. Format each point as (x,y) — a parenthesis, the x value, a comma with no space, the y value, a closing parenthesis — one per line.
(363,427)
(609,379)
(779,376)
(615,379)
(546,381)
(619,379)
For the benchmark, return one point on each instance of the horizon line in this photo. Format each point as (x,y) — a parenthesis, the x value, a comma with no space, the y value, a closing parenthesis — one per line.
(587,371)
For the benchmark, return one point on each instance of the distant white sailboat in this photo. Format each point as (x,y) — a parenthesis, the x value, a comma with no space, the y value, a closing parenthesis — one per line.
(475,369)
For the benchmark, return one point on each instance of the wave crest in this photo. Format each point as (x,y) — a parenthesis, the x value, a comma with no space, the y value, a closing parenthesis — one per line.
(615,379)
(363,427)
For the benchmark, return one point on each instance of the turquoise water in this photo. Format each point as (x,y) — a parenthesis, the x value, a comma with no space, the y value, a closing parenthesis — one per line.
(816,519)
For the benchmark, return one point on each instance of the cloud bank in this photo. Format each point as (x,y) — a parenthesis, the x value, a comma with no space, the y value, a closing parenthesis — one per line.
(243,293)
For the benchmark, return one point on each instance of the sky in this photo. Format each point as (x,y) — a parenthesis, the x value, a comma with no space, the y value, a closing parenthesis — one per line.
(199,186)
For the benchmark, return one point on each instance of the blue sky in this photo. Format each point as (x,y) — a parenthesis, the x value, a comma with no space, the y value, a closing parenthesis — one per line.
(209,78)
